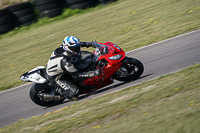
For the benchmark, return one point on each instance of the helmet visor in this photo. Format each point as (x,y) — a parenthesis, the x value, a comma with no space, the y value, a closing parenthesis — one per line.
(75,48)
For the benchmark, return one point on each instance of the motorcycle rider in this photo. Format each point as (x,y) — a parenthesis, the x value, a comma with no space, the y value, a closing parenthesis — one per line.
(62,60)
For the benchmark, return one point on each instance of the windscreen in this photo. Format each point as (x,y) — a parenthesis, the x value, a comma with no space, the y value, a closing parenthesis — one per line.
(100,50)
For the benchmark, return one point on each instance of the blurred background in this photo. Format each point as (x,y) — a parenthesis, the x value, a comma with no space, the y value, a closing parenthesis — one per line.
(14,13)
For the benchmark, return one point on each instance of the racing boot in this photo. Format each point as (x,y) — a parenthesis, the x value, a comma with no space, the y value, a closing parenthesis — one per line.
(68,89)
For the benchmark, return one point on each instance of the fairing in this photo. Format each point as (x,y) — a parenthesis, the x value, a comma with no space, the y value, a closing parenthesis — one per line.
(110,66)
(34,75)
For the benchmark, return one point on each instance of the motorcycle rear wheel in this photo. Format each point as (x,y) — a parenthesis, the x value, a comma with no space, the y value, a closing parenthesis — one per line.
(42,88)
(130,69)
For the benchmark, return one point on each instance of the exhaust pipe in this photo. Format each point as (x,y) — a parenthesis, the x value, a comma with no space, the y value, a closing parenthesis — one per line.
(50,97)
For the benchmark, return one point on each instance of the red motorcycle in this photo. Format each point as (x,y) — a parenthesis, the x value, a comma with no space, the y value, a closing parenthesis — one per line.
(107,57)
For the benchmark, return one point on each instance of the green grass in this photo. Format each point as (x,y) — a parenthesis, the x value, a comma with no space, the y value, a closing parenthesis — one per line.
(168,104)
(130,24)
(5,3)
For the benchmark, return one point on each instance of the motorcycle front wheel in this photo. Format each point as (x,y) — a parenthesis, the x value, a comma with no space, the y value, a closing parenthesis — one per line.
(36,89)
(130,69)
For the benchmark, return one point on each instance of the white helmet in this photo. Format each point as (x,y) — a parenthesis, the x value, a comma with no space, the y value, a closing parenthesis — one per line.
(71,44)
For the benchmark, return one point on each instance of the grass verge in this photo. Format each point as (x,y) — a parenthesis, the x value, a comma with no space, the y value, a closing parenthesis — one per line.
(130,24)
(5,3)
(168,104)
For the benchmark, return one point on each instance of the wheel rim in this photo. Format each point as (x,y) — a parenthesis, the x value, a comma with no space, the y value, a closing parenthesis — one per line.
(127,70)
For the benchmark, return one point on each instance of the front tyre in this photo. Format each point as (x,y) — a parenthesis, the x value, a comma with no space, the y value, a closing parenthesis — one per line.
(130,69)
(36,89)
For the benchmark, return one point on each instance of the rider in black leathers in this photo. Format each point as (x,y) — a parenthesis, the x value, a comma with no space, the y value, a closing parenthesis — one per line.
(62,60)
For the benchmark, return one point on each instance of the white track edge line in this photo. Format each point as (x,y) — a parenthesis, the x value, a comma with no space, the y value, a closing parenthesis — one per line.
(164,41)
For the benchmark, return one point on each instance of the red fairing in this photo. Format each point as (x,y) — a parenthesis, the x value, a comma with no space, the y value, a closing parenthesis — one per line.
(110,68)
(117,51)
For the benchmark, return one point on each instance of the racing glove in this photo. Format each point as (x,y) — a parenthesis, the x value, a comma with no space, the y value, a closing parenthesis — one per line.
(89,44)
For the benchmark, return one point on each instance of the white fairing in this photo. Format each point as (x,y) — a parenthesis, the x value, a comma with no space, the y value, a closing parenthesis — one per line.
(34,76)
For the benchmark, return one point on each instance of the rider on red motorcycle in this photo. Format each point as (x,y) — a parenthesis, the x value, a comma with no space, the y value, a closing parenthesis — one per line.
(62,60)
(70,72)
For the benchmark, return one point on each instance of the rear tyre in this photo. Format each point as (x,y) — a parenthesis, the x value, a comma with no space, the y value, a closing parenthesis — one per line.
(130,69)
(41,88)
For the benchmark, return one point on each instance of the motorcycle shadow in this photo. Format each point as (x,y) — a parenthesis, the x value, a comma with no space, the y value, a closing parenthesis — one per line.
(105,89)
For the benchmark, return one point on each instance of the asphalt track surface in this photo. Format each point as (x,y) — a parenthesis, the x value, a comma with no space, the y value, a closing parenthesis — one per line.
(159,59)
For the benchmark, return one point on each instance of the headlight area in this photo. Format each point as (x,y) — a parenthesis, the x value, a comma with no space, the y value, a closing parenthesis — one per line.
(116,57)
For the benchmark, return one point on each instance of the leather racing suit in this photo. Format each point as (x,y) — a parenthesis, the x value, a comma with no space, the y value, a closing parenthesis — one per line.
(61,62)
